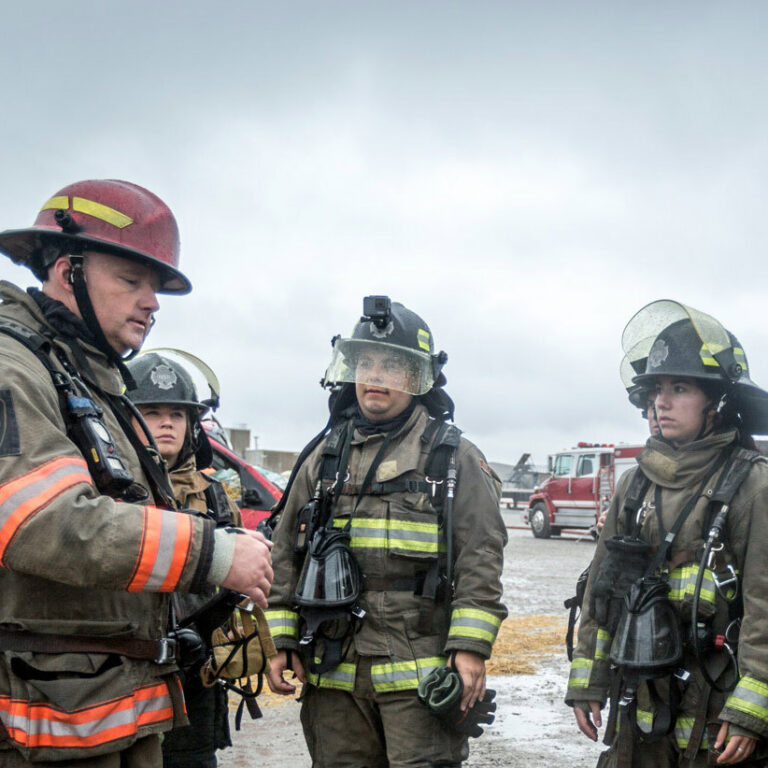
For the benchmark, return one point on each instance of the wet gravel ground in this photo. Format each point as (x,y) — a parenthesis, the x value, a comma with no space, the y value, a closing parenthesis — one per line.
(533,727)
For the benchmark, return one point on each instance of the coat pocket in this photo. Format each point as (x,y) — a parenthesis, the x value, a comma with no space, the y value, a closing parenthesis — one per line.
(412,534)
(76,704)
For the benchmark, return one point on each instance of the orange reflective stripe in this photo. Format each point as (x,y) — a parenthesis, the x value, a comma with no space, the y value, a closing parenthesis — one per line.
(165,545)
(23,496)
(44,725)
(180,552)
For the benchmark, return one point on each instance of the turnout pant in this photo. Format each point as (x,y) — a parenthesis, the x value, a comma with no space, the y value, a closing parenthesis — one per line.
(145,753)
(366,729)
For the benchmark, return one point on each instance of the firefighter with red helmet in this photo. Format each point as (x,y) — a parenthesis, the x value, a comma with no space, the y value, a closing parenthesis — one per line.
(91,543)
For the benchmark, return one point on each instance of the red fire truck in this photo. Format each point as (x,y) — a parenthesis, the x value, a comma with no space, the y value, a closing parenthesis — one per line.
(579,488)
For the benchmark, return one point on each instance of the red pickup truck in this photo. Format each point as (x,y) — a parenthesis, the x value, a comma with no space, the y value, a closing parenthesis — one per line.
(255,489)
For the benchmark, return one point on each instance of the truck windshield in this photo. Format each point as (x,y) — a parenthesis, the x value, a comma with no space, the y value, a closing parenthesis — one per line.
(563,465)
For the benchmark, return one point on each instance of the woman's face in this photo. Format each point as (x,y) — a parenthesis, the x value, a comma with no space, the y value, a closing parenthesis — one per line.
(168,425)
(682,409)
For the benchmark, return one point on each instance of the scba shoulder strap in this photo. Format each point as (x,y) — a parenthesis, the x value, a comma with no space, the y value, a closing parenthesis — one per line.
(86,429)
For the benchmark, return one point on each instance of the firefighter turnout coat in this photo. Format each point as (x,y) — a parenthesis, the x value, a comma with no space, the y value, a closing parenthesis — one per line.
(680,473)
(77,563)
(394,537)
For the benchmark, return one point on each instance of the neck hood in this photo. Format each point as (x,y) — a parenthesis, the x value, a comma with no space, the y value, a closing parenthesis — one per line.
(672,467)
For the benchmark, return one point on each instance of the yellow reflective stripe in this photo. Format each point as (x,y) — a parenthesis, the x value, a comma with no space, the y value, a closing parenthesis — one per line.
(403,675)
(285,623)
(101,211)
(603,645)
(423,339)
(581,671)
(60,201)
(751,697)
(340,678)
(476,613)
(474,623)
(683,729)
(682,581)
(377,533)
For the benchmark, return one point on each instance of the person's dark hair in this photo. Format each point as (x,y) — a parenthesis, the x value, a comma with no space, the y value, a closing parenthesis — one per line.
(728,416)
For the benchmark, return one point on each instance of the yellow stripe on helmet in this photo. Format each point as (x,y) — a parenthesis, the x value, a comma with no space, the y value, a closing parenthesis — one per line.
(90,207)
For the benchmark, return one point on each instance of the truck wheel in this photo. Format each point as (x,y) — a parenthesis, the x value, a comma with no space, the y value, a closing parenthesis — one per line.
(539,520)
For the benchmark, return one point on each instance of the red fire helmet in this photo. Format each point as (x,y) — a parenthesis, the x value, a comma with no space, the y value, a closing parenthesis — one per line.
(104,215)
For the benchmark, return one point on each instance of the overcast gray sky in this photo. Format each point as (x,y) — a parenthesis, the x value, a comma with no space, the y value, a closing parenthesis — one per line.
(525,175)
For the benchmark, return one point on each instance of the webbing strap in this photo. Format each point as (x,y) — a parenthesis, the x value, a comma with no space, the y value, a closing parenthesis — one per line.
(632,501)
(388,486)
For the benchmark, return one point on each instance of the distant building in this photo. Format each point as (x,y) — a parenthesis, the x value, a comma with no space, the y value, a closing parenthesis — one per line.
(518,480)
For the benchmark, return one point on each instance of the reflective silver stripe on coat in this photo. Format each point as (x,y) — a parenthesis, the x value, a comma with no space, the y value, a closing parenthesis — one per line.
(474,623)
(581,671)
(403,675)
(751,697)
(602,645)
(285,623)
(340,678)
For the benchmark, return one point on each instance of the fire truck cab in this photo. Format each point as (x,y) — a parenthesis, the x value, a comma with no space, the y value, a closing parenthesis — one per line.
(579,488)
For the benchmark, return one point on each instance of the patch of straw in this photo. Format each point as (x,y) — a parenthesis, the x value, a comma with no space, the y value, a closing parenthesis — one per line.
(523,641)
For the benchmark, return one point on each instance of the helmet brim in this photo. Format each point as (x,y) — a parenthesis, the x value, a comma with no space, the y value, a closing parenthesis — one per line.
(22,244)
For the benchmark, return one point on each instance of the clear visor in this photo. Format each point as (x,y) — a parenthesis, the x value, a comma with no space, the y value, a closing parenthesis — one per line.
(641,331)
(200,371)
(627,373)
(356,361)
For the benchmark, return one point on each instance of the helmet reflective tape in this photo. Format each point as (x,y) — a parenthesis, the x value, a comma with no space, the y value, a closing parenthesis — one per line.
(379,364)
(706,353)
(423,338)
(90,207)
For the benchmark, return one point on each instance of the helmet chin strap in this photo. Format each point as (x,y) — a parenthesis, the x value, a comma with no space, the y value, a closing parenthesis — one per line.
(711,408)
(80,289)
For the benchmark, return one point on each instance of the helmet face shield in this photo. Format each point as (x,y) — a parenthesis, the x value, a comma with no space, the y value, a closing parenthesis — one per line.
(378,364)
(713,357)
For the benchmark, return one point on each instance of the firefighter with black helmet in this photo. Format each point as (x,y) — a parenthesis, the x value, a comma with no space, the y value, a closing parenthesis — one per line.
(91,542)
(673,634)
(388,557)
(166,396)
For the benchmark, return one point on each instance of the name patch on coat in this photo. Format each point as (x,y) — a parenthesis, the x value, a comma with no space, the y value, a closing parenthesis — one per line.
(9,427)
(386,471)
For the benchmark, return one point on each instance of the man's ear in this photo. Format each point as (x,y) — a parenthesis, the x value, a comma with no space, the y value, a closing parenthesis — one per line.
(58,275)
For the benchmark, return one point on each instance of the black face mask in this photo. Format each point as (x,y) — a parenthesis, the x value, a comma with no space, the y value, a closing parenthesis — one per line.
(368,427)
(63,320)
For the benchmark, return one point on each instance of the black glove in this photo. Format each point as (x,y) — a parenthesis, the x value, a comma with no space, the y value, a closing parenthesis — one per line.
(441,691)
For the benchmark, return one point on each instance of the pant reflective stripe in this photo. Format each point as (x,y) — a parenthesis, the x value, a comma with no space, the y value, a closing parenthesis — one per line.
(340,678)
(284,623)
(474,623)
(603,645)
(581,671)
(682,582)
(167,537)
(403,675)
(43,725)
(751,697)
(24,496)
(683,729)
